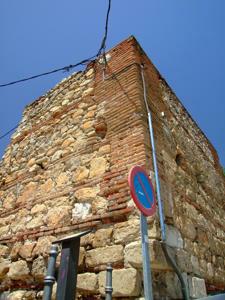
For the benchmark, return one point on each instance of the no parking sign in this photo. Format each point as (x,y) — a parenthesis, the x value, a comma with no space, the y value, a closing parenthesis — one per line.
(142,192)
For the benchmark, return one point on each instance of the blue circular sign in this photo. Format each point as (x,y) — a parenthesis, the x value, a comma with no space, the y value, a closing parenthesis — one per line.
(142,191)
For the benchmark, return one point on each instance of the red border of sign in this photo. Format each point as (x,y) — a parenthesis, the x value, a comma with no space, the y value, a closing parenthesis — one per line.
(146,211)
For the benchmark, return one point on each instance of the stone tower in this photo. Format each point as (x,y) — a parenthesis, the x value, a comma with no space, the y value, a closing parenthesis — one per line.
(66,170)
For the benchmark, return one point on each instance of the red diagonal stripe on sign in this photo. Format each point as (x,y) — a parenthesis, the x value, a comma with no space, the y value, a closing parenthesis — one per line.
(145,192)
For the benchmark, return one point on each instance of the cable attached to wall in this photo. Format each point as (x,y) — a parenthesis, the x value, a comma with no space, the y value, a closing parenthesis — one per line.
(100,52)
(158,193)
(66,68)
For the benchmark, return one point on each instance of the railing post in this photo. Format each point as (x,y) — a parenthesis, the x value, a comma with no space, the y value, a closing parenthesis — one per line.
(108,287)
(50,276)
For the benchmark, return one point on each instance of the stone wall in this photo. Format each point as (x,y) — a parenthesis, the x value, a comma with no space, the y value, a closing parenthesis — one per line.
(66,169)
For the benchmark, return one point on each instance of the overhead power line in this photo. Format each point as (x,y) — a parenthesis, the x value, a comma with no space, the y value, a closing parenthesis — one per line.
(101,51)
(8,132)
(69,67)
(103,44)
(66,68)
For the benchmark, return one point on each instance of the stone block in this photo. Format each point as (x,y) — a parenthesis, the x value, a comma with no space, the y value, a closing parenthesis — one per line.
(62,179)
(173,287)
(102,237)
(58,216)
(39,269)
(81,256)
(99,205)
(87,92)
(46,187)
(10,201)
(188,229)
(98,166)
(67,142)
(4,251)
(27,193)
(86,194)
(197,287)
(38,208)
(87,240)
(4,267)
(15,250)
(126,232)
(26,250)
(104,149)
(173,237)
(183,260)
(210,270)
(195,265)
(43,246)
(4,230)
(133,255)
(57,155)
(87,283)
(19,270)
(104,255)
(17,295)
(36,222)
(81,173)
(126,283)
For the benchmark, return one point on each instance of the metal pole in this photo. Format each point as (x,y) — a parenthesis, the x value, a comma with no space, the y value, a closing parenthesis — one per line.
(68,269)
(161,214)
(146,259)
(50,276)
(108,287)
(67,277)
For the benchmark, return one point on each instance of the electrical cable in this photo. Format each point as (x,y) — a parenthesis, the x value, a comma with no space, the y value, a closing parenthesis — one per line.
(66,68)
(103,44)
(8,132)
(171,261)
(69,67)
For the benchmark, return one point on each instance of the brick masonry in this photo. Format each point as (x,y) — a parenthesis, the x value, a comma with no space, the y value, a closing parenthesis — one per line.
(66,169)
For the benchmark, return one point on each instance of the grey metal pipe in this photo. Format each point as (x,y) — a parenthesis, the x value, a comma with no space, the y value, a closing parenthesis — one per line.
(161,214)
(50,276)
(108,286)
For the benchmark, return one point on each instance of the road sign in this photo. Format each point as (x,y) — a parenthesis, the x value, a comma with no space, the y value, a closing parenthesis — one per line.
(142,191)
(143,195)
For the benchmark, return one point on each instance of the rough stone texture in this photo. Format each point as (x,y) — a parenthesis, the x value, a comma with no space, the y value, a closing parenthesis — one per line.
(127,231)
(126,282)
(4,251)
(43,246)
(104,255)
(133,255)
(4,267)
(173,236)
(102,237)
(19,270)
(65,171)
(39,269)
(58,215)
(18,295)
(26,250)
(197,287)
(87,283)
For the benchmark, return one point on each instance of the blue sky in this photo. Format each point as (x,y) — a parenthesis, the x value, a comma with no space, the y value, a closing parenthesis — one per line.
(185,39)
